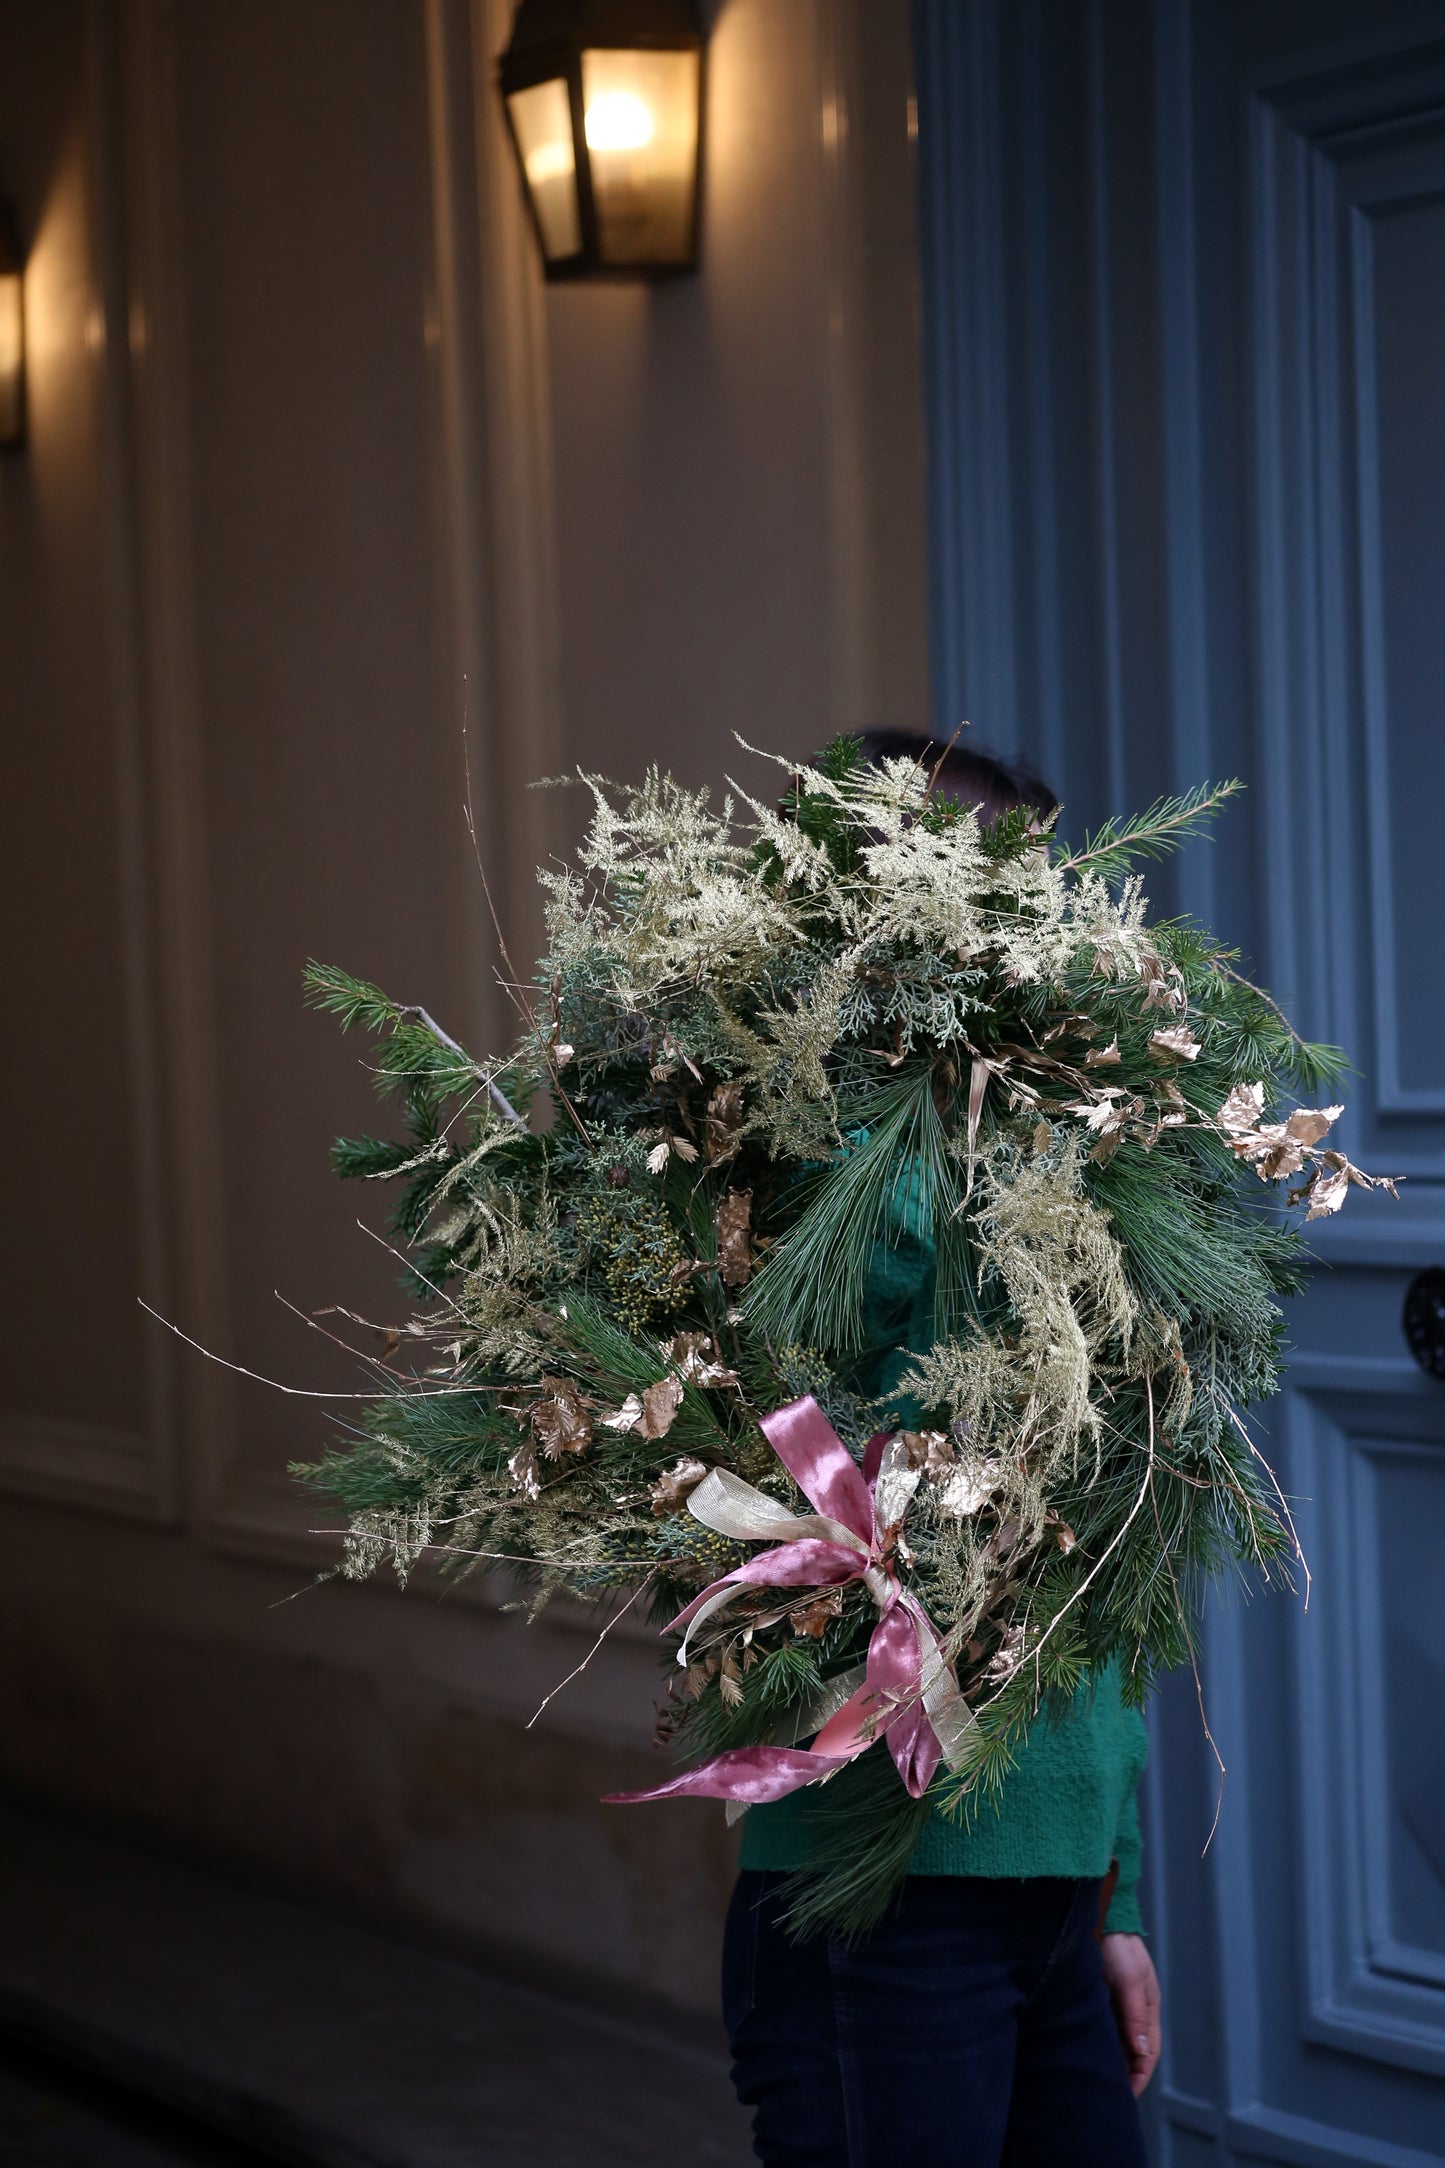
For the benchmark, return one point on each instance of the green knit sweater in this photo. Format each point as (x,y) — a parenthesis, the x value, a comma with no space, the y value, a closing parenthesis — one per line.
(1067,1805)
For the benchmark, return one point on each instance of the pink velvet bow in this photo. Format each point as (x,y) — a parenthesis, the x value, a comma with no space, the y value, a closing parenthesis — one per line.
(908,1694)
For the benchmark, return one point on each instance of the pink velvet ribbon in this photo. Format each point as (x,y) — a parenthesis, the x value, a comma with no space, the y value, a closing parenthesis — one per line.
(909,1695)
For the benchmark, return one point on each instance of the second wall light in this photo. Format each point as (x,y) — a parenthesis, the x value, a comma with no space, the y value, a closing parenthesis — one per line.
(12,336)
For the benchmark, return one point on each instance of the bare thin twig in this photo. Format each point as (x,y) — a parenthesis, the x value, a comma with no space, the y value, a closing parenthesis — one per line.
(1239,1425)
(938,764)
(307,1392)
(1189,1638)
(358,1354)
(578,1669)
(519,996)
(1268,1000)
(407,1265)
(497,1096)
(506,1558)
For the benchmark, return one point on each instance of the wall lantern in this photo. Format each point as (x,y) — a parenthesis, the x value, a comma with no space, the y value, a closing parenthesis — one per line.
(12,337)
(604,103)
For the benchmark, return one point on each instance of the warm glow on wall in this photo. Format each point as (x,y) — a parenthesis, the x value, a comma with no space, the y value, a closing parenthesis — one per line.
(12,337)
(604,100)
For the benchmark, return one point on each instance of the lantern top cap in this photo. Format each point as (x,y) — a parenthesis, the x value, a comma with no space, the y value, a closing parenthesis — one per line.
(542,29)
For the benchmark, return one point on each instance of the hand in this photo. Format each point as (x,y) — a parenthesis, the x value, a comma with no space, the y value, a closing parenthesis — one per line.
(1133,1988)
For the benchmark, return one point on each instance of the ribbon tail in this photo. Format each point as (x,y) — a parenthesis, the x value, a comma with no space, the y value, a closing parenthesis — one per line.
(750,1776)
(894,1669)
(953,1721)
(913,1743)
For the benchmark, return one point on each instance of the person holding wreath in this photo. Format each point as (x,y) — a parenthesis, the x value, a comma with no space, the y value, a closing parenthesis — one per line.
(1006,2012)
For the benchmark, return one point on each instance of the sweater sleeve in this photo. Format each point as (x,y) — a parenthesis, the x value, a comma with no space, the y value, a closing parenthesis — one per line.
(1123,1917)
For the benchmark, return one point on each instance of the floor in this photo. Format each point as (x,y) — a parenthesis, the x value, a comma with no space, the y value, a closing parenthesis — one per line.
(54,2116)
(297,2037)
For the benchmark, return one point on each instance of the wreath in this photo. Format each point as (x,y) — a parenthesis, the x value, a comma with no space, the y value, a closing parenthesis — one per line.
(865,1258)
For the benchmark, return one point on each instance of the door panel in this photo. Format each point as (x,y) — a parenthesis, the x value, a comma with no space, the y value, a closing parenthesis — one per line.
(1347,225)
(1184,271)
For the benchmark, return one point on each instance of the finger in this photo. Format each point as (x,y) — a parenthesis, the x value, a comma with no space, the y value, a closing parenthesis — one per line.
(1140,2064)
(1143,2058)
(1132,2013)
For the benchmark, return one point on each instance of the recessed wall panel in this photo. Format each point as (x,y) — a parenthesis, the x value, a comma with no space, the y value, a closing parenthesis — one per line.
(1399,246)
(320,706)
(70,902)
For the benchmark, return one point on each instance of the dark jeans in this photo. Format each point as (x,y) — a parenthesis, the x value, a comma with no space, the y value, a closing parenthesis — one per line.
(972,2029)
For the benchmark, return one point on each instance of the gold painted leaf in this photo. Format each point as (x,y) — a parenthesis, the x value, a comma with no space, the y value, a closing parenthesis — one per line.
(724,1120)
(562,1422)
(696,1359)
(627,1417)
(814,1619)
(1242,1109)
(522,1468)
(734,1248)
(660,1404)
(1308,1125)
(1175,1042)
(675,1486)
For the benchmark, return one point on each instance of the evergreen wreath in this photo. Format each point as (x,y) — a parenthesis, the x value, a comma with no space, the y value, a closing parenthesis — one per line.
(779,1045)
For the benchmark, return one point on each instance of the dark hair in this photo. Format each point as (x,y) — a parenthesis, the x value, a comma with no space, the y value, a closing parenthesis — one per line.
(968,773)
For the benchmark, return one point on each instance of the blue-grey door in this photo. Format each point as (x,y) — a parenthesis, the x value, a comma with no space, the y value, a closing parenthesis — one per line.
(1184,270)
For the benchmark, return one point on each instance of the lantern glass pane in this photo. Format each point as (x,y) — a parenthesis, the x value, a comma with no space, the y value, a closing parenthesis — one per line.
(542,123)
(641,119)
(12,357)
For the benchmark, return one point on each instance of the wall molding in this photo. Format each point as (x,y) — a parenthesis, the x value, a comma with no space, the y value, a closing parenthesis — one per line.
(1365,1991)
(519,559)
(81,1464)
(159,406)
(1257,2133)
(134,1473)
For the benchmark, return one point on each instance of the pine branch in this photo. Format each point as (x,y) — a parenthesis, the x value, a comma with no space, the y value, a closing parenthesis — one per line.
(1169,822)
(866,1830)
(812,1289)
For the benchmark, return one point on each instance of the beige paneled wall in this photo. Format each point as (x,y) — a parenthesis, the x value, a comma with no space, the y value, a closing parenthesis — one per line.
(318,473)
(738,486)
(303,234)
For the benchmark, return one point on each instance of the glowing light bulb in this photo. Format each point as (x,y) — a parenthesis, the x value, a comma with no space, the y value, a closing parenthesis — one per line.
(550,162)
(618,121)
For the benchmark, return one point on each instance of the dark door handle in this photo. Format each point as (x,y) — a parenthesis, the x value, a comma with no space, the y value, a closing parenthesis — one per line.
(1424,1320)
